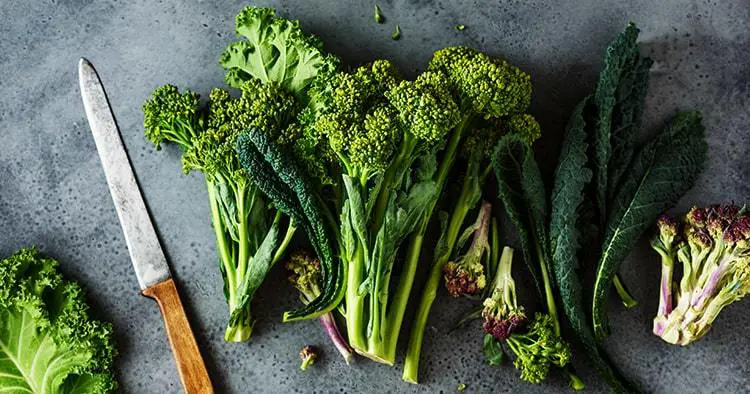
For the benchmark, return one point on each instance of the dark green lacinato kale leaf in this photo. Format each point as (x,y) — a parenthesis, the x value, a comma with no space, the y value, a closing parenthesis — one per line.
(626,120)
(571,177)
(618,59)
(521,189)
(49,343)
(660,174)
(277,174)
(493,351)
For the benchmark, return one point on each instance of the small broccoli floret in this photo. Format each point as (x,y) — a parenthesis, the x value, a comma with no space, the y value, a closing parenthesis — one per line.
(45,323)
(536,346)
(538,349)
(465,275)
(304,273)
(308,355)
(714,249)
(169,115)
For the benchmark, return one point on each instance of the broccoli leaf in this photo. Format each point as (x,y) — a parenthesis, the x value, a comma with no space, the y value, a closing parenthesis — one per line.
(621,53)
(521,189)
(660,174)
(48,342)
(277,174)
(571,177)
(275,49)
(493,351)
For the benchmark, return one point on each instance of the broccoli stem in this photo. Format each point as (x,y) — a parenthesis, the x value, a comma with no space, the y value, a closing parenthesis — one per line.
(329,324)
(463,206)
(665,290)
(355,317)
(549,295)
(627,299)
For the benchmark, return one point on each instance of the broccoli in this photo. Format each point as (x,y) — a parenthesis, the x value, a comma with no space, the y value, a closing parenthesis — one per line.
(535,345)
(48,341)
(247,231)
(465,275)
(491,103)
(713,246)
(304,273)
(308,355)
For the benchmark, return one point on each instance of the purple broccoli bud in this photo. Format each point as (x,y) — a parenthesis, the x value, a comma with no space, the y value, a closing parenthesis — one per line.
(308,355)
(465,275)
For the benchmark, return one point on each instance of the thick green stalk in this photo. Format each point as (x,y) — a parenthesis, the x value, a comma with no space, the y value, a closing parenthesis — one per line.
(225,255)
(355,302)
(285,242)
(549,295)
(406,281)
(411,363)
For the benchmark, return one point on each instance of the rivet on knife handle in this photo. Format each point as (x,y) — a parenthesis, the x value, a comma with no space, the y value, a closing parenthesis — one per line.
(148,259)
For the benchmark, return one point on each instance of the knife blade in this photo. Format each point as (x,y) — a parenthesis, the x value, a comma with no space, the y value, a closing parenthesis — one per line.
(146,254)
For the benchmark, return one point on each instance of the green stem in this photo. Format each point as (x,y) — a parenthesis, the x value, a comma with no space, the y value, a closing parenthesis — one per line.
(411,363)
(221,243)
(285,242)
(549,295)
(355,301)
(627,299)
(243,237)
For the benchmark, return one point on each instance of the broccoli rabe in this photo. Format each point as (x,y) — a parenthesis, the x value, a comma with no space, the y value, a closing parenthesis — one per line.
(249,235)
(713,248)
(535,345)
(466,274)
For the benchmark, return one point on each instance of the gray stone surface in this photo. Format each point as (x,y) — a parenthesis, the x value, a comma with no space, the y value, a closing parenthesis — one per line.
(53,193)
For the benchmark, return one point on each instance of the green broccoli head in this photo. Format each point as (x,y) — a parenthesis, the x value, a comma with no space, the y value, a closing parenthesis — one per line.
(71,348)
(304,273)
(169,115)
(489,87)
(715,257)
(275,50)
(425,106)
(538,349)
(351,114)
(267,107)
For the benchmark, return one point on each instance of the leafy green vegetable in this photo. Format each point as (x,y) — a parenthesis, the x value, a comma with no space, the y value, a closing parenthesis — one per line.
(621,53)
(493,351)
(660,174)
(48,341)
(571,177)
(276,50)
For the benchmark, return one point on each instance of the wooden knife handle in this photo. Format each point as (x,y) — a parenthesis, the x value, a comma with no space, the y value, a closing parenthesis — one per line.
(189,361)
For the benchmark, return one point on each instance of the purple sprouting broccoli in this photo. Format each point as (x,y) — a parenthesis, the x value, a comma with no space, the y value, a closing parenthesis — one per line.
(465,275)
(308,355)
(713,246)
(535,345)
(304,273)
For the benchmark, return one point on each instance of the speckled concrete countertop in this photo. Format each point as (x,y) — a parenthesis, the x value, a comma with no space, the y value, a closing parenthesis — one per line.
(53,193)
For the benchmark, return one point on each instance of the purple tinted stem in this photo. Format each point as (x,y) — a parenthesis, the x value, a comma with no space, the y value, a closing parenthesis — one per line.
(711,284)
(329,324)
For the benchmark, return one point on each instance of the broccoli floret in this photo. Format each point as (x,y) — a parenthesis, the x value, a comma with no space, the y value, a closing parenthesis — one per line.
(465,275)
(44,316)
(308,355)
(713,247)
(172,116)
(536,346)
(304,273)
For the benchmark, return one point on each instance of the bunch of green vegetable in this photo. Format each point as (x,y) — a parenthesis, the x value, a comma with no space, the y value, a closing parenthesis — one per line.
(48,341)
(273,66)
(388,145)
(712,246)
(600,170)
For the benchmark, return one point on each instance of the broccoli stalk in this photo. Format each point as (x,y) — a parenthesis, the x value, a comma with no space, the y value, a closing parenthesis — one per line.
(465,275)
(714,249)
(536,346)
(304,273)
(249,236)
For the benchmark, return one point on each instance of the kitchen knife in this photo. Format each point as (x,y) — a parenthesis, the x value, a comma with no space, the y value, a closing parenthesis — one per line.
(148,259)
